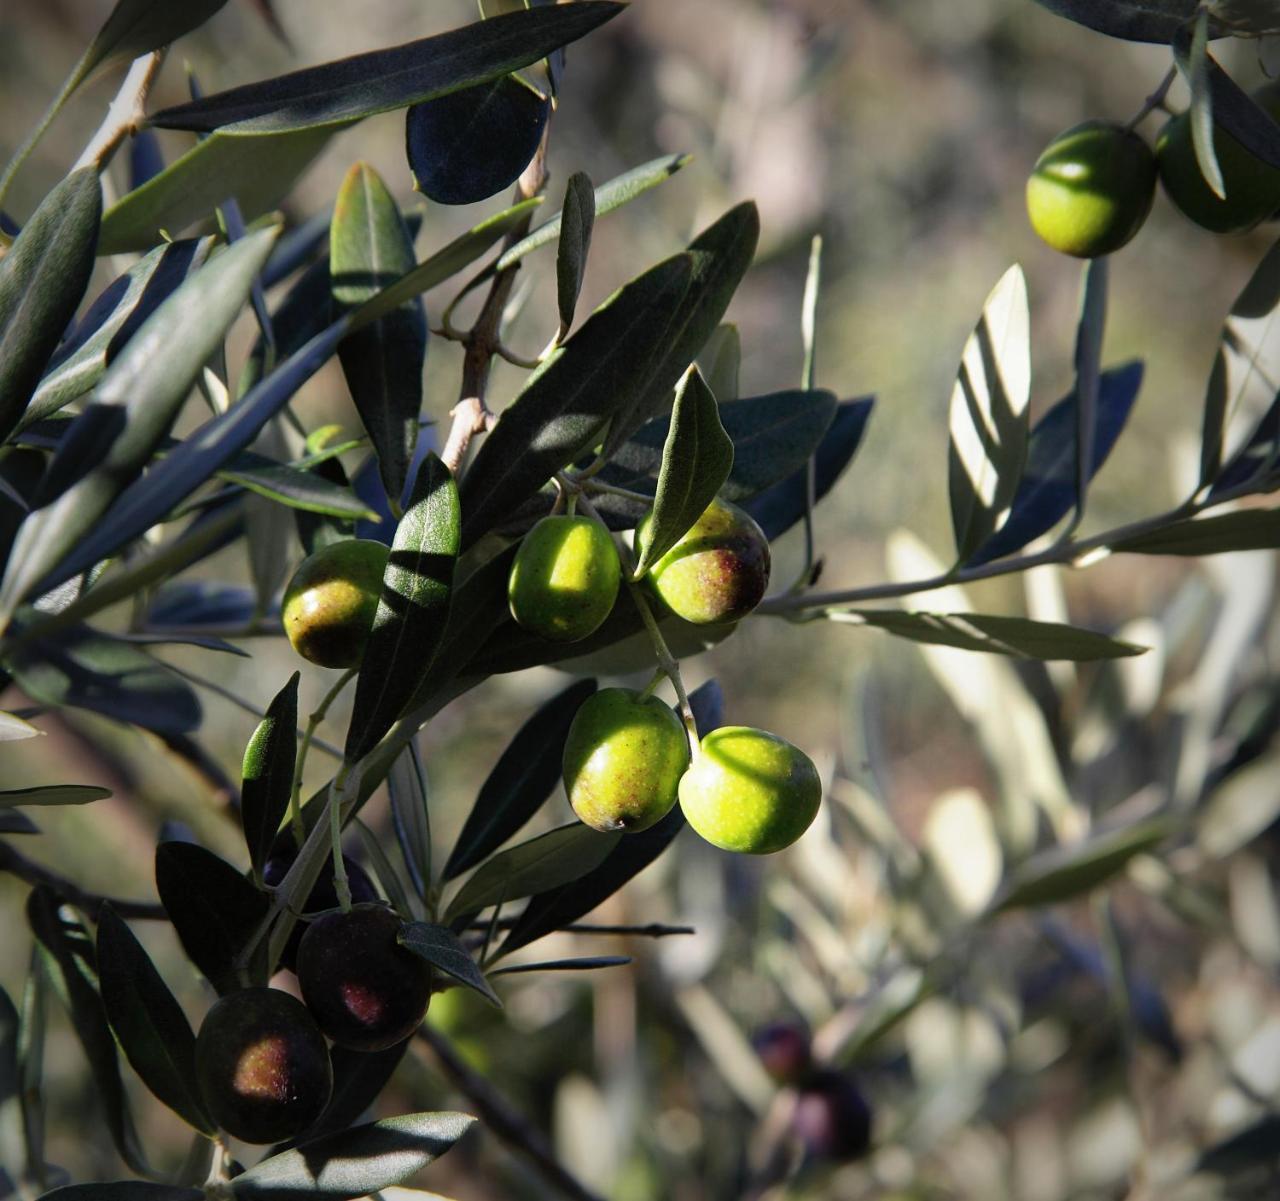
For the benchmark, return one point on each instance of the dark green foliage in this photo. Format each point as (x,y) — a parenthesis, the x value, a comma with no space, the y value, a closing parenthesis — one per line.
(267,774)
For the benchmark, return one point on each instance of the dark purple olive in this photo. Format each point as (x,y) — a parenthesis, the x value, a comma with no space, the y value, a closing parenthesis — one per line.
(831,1119)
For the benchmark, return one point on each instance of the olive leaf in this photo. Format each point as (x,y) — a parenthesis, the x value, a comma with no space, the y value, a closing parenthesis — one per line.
(411,816)
(153,1031)
(549,861)
(132,410)
(577,218)
(69,957)
(53,794)
(988,420)
(520,782)
(1135,20)
(370,247)
(696,461)
(1192,57)
(1248,529)
(42,279)
(267,774)
(505,115)
(413,609)
(365,84)
(442,948)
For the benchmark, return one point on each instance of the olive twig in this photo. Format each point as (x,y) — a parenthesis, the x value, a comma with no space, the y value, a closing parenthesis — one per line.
(1154,101)
(308,735)
(594,485)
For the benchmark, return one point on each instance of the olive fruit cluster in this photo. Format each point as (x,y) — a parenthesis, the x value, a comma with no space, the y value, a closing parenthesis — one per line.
(1093,186)
(830,1118)
(262,1059)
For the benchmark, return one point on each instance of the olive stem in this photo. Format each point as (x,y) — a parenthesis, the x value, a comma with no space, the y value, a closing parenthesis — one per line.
(593,485)
(1154,101)
(666,660)
(295,793)
(340,886)
(658,677)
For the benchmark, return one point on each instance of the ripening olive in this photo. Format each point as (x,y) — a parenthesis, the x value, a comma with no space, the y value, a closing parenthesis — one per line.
(831,1118)
(750,791)
(623,760)
(330,603)
(784,1050)
(322,896)
(262,1065)
(564,579)
(1252,187)
(1091,189)
(364,989)
(717,572)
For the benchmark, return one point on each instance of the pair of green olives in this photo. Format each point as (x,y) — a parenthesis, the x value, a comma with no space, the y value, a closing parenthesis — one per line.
(566,574)
(1092,188)
(627,761)
(262,1060)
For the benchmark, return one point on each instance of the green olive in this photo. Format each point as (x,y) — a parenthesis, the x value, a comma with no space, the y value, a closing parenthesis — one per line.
(330,603)
(1252,186)
(623,760)
(717,572)
(750,791)
(365,991)
(564,579)
(1091,189)
(262,1065)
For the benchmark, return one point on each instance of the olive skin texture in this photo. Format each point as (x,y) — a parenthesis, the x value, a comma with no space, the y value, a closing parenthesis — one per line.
(365,991)
(784,1051)
(831,1118)
(564,579)
(262,1065)
(323,896)
(1252,186)
(623,760)
(331,600)
(717,572)
(750,791)
(1091,189)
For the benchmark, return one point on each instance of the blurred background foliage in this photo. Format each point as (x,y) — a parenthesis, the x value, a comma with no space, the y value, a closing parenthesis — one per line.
(1087,1051)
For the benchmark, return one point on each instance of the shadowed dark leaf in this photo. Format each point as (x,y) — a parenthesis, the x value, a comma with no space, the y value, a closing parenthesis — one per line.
(442,948)
(267,775)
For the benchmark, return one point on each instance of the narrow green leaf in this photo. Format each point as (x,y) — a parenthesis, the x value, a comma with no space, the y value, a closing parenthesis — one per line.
(355,1162)
(719,258)
(32,1029)
(577,217)
(171,480)
(1246,529)
(1193,61)
(123,1190)
(608,196)
(133,409)
(42,280)
(411,817)
(257,172)
(153,1031)
(1065,873)
(14,822)
(589,964)
(445,263)
(506,116)
(720,362)
(1088,362)
(369,249)
(696,461)
(137,27)
(1135,20)
(214,909)
(14,728)
(442,948)
(109,323)
(53,794)
(383,869)
(520,782)
(72,966)
(11,1136)
(988,419)
(268,773)
(597,373)
(295,487)
(558,857)
(413,609)
(86,669)
(1016,637)
(364,84)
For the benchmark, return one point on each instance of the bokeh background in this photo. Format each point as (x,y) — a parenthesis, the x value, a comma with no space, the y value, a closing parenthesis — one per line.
(1086,1053)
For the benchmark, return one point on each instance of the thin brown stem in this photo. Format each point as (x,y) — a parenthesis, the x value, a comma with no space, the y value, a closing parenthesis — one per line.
(17,864)
(471,415)
(497,1113)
